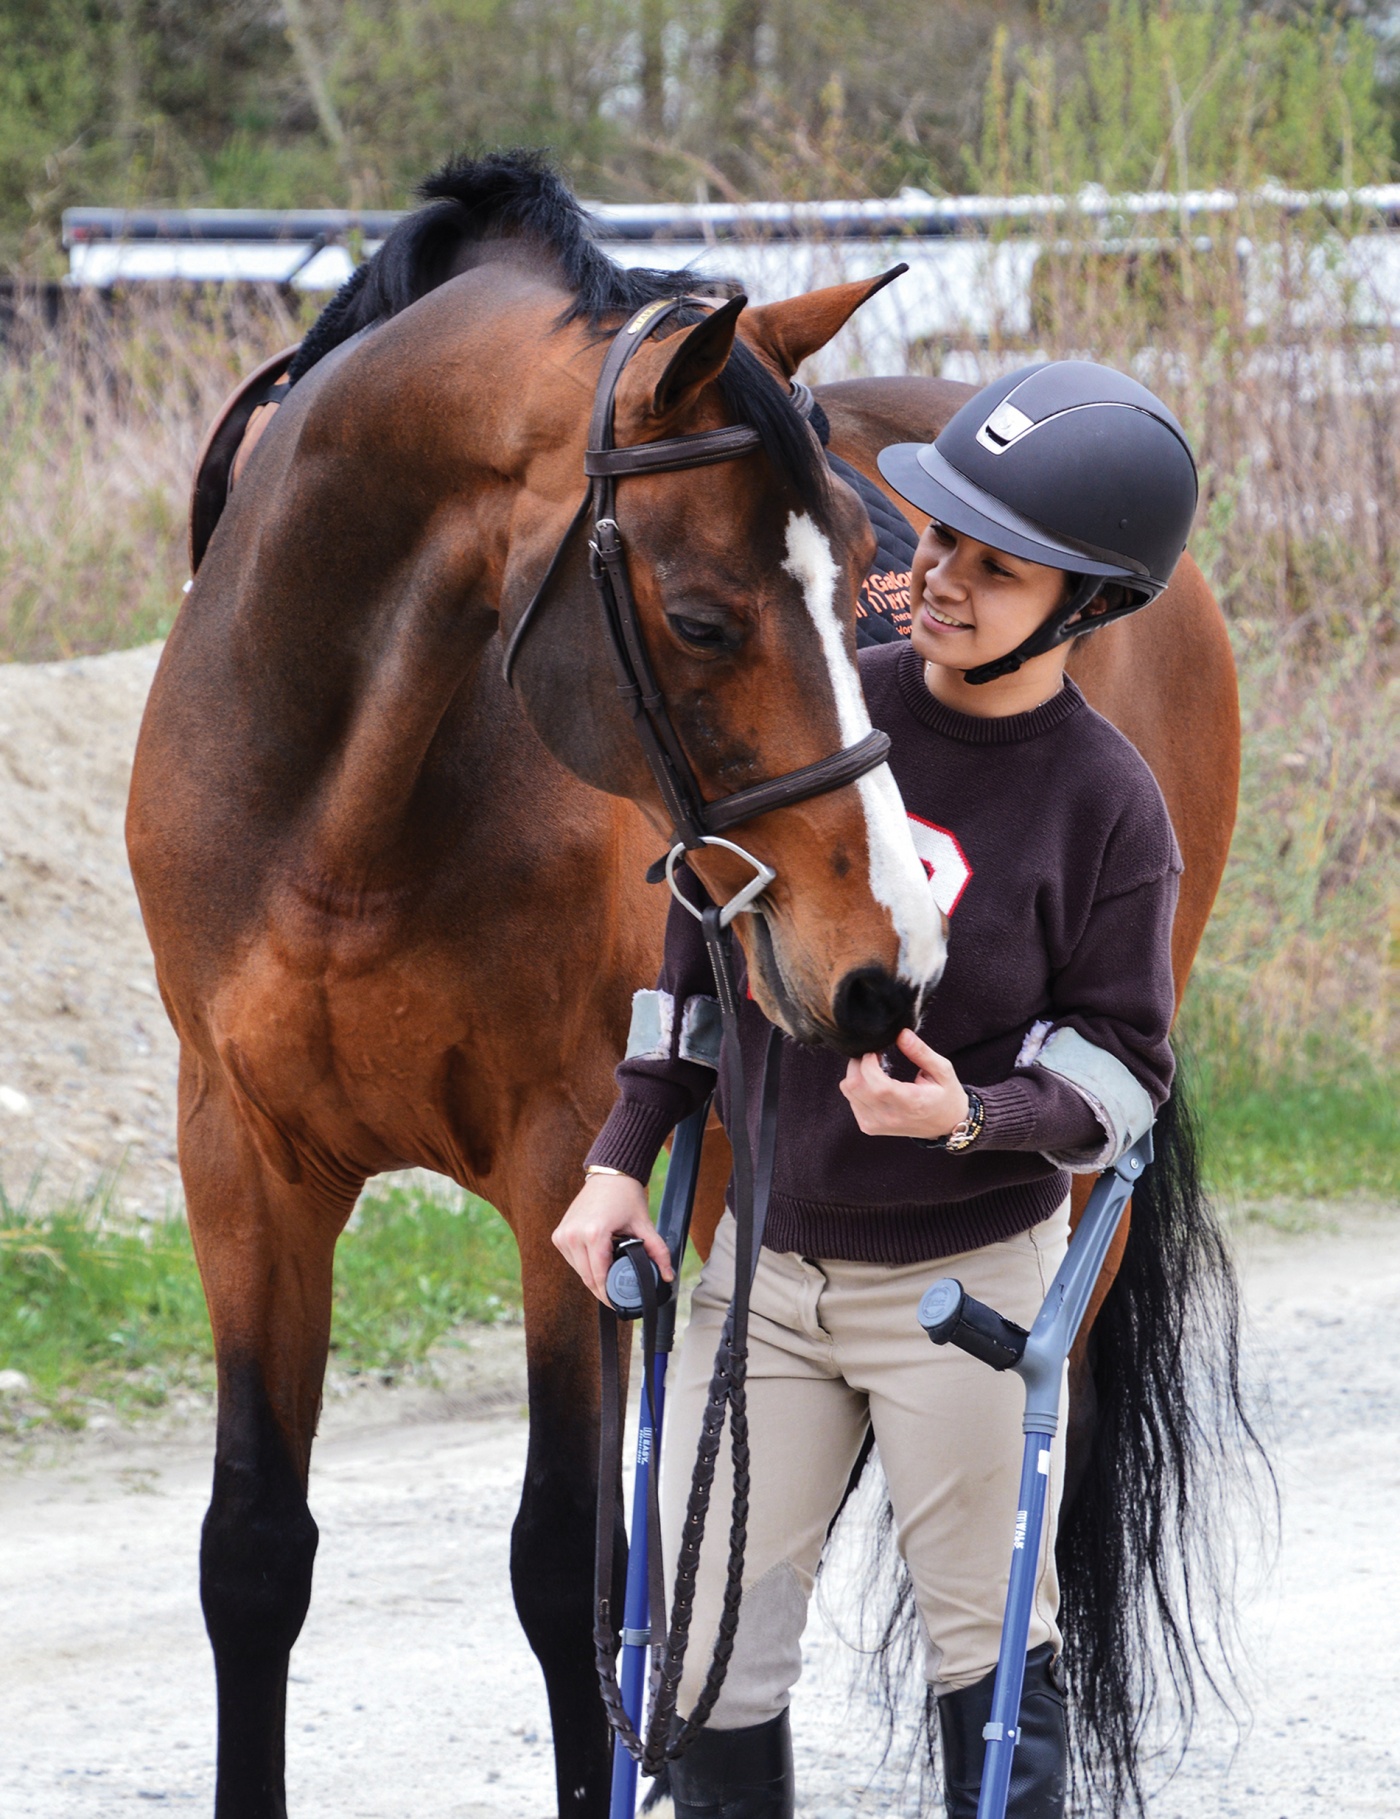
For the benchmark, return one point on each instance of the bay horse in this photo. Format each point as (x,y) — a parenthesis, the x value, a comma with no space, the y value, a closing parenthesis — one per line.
(397,907)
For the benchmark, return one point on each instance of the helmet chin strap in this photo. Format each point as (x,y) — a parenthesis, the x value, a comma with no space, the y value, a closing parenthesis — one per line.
(1056,629)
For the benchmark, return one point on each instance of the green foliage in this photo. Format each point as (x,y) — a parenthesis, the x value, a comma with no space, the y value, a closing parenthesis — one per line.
(51,83)
(83,1307)
(93,1314)
(1188,96)
(303,102)
(1302,1136)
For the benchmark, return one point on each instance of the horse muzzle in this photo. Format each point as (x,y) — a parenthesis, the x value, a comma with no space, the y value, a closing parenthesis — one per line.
(869,1005)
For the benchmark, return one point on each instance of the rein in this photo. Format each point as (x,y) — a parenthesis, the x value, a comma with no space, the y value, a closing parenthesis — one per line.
(695,822)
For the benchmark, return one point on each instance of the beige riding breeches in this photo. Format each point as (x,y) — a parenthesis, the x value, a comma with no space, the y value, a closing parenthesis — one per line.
(835,1347)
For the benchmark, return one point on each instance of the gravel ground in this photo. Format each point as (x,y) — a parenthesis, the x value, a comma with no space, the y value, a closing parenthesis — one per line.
(87,1057)
(412,1687)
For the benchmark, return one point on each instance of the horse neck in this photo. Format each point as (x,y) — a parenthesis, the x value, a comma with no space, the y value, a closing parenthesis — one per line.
(361,587)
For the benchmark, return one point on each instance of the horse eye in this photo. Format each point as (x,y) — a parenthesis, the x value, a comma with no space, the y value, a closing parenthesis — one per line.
(701,633)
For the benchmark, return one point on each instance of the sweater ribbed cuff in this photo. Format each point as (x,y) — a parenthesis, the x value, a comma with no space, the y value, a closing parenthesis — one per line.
(631,1139)
(1009,1109)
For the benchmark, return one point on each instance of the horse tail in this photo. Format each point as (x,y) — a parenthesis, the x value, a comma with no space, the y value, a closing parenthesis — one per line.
(1146,1551)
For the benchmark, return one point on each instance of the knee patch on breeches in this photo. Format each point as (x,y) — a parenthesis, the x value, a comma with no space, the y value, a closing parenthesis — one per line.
(767,1657)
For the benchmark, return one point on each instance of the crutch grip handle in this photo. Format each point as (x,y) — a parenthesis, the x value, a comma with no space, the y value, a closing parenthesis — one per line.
(624,1290)
(950,1316)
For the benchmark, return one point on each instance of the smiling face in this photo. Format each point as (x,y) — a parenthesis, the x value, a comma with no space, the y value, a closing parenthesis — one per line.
(974,603)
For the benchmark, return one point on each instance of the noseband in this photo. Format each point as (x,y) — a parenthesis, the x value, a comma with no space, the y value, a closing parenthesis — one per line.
(694,821)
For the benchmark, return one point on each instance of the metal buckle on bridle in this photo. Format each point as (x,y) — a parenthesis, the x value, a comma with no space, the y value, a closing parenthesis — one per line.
(605,543)
(764,875)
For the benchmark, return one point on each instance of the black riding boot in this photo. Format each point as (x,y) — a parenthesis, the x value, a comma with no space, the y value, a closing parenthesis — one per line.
(745,1774)
(1039,1769)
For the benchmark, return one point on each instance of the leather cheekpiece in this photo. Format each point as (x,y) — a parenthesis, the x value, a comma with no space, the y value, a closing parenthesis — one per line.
(743,1774)
(1040,1767)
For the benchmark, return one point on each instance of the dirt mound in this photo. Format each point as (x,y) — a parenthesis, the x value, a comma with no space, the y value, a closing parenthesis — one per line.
(87,1058)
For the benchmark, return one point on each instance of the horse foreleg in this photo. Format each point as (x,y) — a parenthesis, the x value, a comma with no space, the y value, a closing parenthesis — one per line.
(265,1247)
(551,1558)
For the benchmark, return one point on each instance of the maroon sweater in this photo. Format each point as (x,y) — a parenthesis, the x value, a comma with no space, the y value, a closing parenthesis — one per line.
(1051,851)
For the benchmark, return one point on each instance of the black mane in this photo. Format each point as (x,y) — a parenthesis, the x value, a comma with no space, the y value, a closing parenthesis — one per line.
(517,195)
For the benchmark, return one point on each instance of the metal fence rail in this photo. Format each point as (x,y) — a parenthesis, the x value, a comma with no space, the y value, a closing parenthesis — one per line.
(972,259)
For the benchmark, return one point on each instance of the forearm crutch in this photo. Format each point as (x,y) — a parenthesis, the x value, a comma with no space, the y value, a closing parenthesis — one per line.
(950,1316)
(624,1292)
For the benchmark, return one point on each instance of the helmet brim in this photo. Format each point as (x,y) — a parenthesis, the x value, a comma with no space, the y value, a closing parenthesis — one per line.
(918,473)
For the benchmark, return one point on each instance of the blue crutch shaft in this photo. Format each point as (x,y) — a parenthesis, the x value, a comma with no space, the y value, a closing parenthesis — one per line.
(636,1624)
(1002,1730)
(673,1223)
(951,1316)
(1055,1328)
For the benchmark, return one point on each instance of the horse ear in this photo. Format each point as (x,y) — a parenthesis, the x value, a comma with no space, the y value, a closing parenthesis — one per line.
(696,357)
(788,332)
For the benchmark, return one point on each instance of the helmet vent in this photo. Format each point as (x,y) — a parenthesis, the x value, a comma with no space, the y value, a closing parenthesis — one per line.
(1005,426)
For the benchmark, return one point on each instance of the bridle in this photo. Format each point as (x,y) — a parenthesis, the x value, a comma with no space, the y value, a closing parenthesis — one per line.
(694,821)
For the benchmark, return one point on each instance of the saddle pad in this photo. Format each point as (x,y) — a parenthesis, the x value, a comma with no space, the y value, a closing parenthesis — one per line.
(214,465)
(882,610)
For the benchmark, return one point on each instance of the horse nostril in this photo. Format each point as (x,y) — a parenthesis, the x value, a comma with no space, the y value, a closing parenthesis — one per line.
(871,1008)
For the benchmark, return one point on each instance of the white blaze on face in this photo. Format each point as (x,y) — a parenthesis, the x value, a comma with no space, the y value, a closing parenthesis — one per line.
(897,879)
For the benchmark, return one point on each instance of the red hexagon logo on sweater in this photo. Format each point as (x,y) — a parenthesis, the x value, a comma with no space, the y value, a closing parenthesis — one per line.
(944,861)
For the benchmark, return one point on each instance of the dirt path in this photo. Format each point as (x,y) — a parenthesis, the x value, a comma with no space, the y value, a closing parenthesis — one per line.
(413,1691)
(87,1058)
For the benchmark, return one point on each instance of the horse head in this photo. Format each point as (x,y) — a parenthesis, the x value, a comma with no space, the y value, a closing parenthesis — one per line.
(745,576)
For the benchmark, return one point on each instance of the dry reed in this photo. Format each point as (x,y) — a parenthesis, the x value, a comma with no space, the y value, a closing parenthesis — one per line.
(101,417)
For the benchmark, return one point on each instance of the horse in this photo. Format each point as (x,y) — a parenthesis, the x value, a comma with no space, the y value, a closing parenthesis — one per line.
(398,908)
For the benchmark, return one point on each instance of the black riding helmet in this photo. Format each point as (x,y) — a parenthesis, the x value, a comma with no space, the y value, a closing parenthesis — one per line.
(1069,464)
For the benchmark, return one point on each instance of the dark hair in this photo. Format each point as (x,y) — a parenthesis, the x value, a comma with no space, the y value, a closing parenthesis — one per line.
(517,195)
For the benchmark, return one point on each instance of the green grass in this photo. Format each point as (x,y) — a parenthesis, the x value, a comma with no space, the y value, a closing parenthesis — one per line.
(1321,1139)
(94,1316)
(91,1314)
(98,1318)
(414,1266)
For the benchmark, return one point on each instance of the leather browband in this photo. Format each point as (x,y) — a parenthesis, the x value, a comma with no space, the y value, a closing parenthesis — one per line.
(703,448)
(796,786)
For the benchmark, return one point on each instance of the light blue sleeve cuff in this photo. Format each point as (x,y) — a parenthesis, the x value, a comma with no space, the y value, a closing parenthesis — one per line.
(1116,1096)
(653,1019)
(653,1029)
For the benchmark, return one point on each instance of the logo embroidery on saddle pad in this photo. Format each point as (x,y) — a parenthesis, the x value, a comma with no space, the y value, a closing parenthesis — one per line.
(944,861)
(886,596)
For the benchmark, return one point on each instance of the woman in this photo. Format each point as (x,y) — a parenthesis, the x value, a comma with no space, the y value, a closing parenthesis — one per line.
(1060,499)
